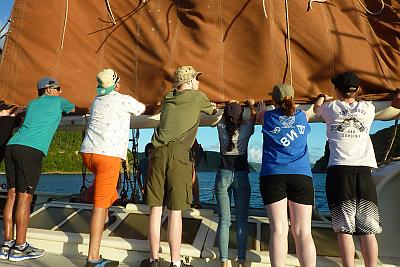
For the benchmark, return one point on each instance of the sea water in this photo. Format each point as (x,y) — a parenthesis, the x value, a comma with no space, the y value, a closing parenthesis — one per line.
(71,184)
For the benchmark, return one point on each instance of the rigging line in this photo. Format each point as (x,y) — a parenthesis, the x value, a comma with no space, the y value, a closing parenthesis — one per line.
(392,141)
(371,12)
(311,1)
(110,13)
(84,170)
(289,52)
(5,25)
(265,10)
(65,24)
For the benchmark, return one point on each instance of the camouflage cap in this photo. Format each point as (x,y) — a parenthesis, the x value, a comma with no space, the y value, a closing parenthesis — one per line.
(184,74)
(280,91)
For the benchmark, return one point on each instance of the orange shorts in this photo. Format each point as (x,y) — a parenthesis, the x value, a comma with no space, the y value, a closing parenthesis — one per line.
(106,172)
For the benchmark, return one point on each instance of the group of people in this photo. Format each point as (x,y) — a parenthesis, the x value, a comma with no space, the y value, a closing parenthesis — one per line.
(285,178)
(286,185)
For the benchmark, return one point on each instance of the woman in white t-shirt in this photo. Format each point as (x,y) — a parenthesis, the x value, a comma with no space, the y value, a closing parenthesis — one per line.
(350,189)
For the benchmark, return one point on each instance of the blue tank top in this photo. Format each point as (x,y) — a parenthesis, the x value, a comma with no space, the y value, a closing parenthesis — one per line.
(285,144)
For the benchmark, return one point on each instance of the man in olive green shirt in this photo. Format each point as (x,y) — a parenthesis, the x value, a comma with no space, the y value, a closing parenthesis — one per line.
(170,170)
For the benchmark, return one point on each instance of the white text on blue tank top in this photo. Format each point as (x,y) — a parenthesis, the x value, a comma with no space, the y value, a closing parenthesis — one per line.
(287,122)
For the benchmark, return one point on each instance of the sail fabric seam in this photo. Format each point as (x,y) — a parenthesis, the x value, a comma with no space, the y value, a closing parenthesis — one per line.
(65,24)
(377,58)
(221,22)
(175,42)
(273,37)
(289,52)
(331,44)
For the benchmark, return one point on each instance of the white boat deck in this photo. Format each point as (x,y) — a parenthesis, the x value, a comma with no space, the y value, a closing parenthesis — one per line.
(50,260)
(62,229)
(64,249)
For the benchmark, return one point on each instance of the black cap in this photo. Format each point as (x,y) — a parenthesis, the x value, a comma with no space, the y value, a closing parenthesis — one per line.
(346,82)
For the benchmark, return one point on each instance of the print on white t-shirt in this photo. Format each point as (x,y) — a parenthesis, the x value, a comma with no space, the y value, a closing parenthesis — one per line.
(347,130)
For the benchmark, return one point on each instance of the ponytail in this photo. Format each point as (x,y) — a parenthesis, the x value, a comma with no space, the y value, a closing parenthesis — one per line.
(287,105)
(231,128)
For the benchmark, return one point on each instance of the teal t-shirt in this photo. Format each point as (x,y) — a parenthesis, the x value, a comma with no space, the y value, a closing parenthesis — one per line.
(42,117)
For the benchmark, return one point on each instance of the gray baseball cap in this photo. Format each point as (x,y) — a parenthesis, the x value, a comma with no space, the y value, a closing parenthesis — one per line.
(47,82)
(280,91)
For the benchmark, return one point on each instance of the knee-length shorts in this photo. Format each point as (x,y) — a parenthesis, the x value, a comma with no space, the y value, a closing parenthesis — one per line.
(352,200)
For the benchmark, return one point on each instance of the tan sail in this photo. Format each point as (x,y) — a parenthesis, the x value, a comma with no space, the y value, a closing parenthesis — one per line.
(242,47)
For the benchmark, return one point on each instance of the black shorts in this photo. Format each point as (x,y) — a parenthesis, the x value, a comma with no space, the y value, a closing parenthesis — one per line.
(296,187)
(23,167)
(352,200)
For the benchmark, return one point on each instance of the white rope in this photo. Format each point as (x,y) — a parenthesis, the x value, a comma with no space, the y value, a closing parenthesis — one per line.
(110,12)
(265,10)
(289,53)
(311,1)
(371,12)
(65,25)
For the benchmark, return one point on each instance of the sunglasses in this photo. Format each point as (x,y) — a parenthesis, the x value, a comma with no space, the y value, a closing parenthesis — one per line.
(58,88)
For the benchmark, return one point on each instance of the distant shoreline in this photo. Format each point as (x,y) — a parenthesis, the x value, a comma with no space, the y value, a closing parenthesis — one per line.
(80,173)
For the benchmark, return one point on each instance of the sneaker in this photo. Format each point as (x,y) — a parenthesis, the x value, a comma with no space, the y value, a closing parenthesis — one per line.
(242,264)
(102,263)
(183,264)
(4,251)
(29,252)
(147,263)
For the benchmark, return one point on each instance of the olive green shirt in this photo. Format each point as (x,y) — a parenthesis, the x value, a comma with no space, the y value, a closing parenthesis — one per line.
(180,117)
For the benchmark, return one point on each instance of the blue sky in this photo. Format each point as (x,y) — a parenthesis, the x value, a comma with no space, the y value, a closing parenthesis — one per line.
(207,136)
(5,10)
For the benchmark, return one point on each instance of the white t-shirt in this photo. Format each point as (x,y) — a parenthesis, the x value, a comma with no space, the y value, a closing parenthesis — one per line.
(108,130)
(347,129)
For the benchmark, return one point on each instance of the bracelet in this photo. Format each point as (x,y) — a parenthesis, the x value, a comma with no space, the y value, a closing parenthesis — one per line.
(321,95)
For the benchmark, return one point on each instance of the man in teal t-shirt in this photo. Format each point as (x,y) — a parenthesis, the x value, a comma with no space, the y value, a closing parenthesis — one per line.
(23,160)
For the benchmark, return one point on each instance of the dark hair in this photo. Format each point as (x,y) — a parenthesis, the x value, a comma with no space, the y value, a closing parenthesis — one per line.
(232,126)
(350,92)
(288,106)
(147,149)
(41,91)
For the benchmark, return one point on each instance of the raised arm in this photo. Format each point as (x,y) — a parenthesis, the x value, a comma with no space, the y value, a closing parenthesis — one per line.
(320,100)
(396,101)
(318,103)
(253,112)
(79,111)
(261,108)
